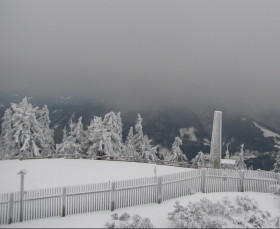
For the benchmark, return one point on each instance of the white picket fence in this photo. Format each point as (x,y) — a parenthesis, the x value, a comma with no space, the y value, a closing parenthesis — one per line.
(63,201)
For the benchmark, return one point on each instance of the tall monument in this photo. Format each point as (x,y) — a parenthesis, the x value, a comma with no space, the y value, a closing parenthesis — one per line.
(216,141)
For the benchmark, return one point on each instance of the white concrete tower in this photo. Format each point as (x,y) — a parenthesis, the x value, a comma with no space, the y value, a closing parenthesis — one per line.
(216,141)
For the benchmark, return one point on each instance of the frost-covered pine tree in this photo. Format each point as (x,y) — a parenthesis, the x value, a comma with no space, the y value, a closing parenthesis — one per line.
(164,153)
(227,153)
(142,144)
(240,162)
(277,164)
(176,152)
(113,125)
(79,134)
(199,159)
(6,134)
(68,145)
(44,122)
(129,149)
(148,151)
(28,139)
(99,139)
(138,137)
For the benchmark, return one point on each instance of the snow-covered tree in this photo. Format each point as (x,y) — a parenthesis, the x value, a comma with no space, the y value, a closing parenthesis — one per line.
(79,134)
(277,164)
(148,151)
(129,149)
(99,139)
(164,153)
(138,137)
(227,153)
(6,134)
(199,159)
(28,138)
(240,162)
(68,145)
(44,122)
(113,125)
(176,152)
(73,142)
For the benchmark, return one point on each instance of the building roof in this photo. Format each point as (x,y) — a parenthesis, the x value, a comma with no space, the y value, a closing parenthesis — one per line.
(228,161)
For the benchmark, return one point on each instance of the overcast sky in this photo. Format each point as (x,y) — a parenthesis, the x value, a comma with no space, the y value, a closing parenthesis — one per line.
(137,53)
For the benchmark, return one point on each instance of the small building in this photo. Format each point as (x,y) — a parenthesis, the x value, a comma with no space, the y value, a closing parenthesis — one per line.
(228,163)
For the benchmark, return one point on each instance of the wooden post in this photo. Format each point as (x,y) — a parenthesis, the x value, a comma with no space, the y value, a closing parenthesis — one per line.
(159,190)
(21,173)
(241,173)
(63,202)
(113,196)
(11,206)
(203,180)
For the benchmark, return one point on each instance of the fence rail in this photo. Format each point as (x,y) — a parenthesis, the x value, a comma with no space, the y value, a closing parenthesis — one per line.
(63,201)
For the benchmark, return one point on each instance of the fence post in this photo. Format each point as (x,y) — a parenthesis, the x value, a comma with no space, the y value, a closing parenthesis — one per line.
(113,196)
(63,205)
(203,180)
(241,173)
(278,178)
(21,173)
(11,206)
(159,190)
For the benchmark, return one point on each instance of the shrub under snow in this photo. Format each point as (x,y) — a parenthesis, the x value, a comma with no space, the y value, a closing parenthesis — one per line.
(208,214)
(126,221)
(247,203)
(275,189)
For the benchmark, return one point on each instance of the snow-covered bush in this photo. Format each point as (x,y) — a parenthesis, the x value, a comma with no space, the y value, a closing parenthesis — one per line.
(126,221)
(275,189)
(197,215)
(199,159)
(257,219)
(207,214)
(247,203)
(241,223)
(276,221)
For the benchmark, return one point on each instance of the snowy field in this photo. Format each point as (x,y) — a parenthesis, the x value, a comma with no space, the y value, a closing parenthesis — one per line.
(157,213)
(47,173)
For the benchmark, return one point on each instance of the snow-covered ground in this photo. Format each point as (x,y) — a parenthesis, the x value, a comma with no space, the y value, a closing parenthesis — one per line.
(47,173)
(157,213)
(190,132)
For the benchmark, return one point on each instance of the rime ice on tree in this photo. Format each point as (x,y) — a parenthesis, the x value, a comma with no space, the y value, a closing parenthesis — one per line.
(277,165)
(240,162)
(216,141)
(227,153)
(6,137)
(176,153)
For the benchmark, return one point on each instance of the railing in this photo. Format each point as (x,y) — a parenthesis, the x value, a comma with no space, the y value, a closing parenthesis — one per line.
(106,157)
(63,201)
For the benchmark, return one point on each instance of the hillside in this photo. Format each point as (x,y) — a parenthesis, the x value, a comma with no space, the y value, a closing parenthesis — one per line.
(164,123)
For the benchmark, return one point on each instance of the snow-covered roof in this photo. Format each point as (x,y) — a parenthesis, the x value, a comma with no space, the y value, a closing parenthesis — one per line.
(228,161)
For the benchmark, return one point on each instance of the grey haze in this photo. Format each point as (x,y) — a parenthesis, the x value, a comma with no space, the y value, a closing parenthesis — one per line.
(141,53)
